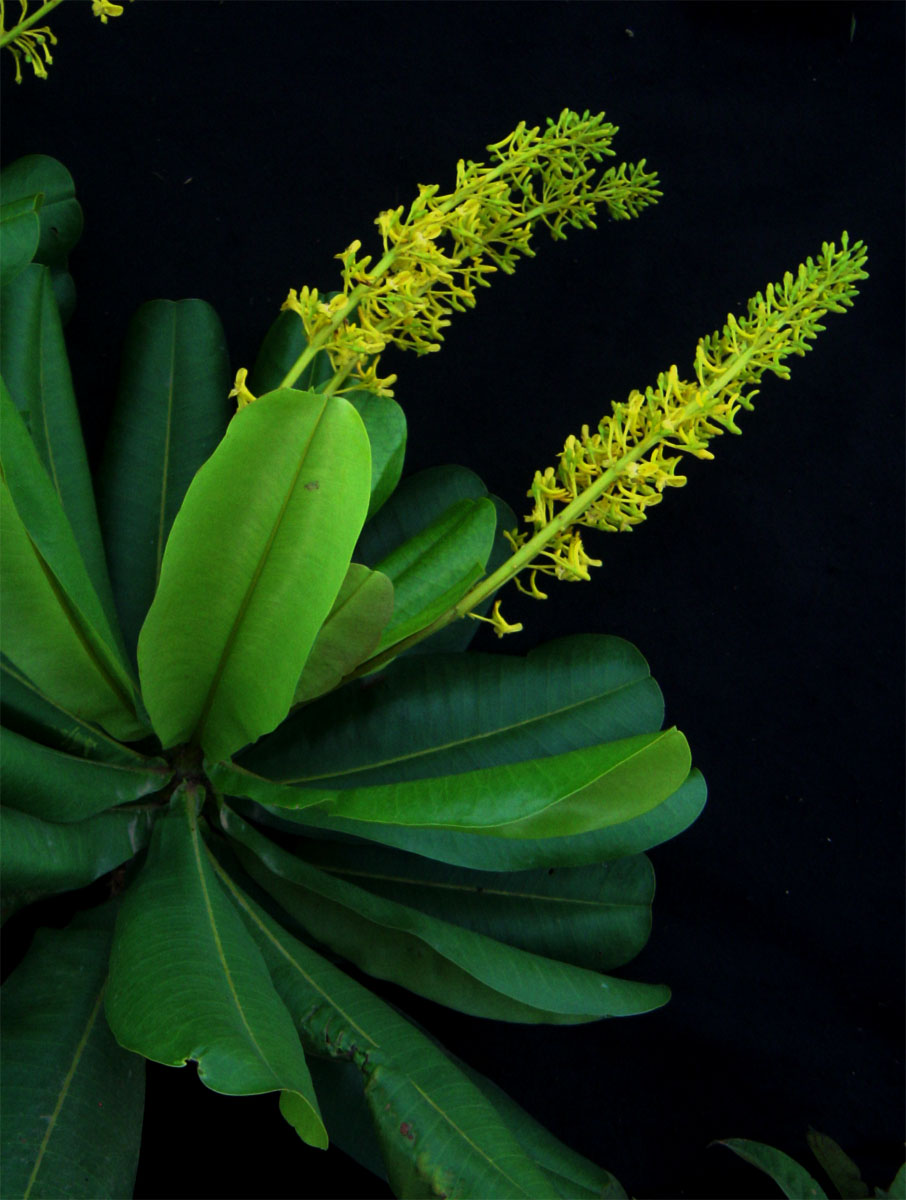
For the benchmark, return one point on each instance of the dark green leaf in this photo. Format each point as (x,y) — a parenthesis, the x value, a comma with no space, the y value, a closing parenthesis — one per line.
(186,979)
(41,858)
(171,411)
(596,916)
(839,1167)
(897,1190)
(434,958)
(435,1128)
(284,342)
(61,787)
(794,1181)
(385,424)
(35,369)
(254,562)
(60,213)
(72,1098)
(19,233)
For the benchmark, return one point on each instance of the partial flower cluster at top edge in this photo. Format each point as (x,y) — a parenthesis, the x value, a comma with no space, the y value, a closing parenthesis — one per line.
(31,42)
(436,254)
(608,478)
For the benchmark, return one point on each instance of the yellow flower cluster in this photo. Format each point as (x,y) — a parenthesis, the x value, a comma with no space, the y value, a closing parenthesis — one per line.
(607,479)
(438,252)
(31,42)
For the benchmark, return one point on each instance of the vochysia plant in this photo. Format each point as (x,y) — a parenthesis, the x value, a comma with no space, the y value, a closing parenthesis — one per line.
(240,687)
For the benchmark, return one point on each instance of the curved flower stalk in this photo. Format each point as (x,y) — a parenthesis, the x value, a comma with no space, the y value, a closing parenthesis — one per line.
(436,254)
(32,42)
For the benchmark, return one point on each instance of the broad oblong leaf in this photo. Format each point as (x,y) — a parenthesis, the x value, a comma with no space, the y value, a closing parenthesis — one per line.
(434,1127)
(35,369)
(171,411)
(19,233)
(62,787)
(254,562)
(434,958)
(596,916)
(352,630)
(72,1099)
(187,981)
(794,1181)
(60,213)
(42,858)
(55,629)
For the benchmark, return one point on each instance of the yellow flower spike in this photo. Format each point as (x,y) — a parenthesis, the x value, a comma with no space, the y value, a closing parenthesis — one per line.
(240,391)
(501,626)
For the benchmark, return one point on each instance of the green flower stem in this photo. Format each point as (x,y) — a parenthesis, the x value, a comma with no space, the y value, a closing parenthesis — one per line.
(12,34)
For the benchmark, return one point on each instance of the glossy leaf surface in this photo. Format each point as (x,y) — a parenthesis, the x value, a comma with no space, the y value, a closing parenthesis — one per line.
(187,982)
(62,787)
(435,1128)
(171,411)
(254,562)
(434,958)
(72,1098)
(352,630)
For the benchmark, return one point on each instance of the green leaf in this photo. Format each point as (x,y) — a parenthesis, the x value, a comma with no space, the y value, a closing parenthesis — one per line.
(435,1128)
(839,1167)
(433,958)
(897,1190)
(187,981)
(794,1181)
(26,710)
(41,858)
(171,411)
(432,539)
(72,1098)
(19,233)
(350,633)
(55,629)
(61,787)
(35,368)
(596,916)
(385,424)
(544,797)
(254,562)
(60,213)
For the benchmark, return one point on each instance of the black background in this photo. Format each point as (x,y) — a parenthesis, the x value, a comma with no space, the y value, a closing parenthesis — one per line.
(229,150)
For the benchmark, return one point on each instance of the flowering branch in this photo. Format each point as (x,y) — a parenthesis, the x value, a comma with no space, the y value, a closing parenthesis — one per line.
(25,41)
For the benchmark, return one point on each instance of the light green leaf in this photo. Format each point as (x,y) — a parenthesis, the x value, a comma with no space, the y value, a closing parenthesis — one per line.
(26,710)
(41,858)
(60,213)
(72,1099)
(545,797)
(61,787)
(794,1181)
(171,411)
(434,958)
(596,916)
(19,233)
(186,979)
(353,628)
(55,629)
(254,562)
(435,1128)
(35,368)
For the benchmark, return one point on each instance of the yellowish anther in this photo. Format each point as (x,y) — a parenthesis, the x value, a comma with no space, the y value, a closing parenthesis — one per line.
(240,392)
(496,619)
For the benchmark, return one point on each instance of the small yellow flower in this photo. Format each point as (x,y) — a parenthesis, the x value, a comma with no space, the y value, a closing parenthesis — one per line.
(501,626)
(241,393)
(105,9)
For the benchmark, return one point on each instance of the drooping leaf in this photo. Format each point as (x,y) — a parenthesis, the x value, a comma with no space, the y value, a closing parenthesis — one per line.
(435,1128)
(254,562)
(596,916)
(60,213)
(434,958)
(839,1167)
(42,858)
(61,787)
(187,981)
(26,710)
(55,629)
(72,1099)
(35,369)
(20,230)
(350,633)
(792,1179)
(171,410)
